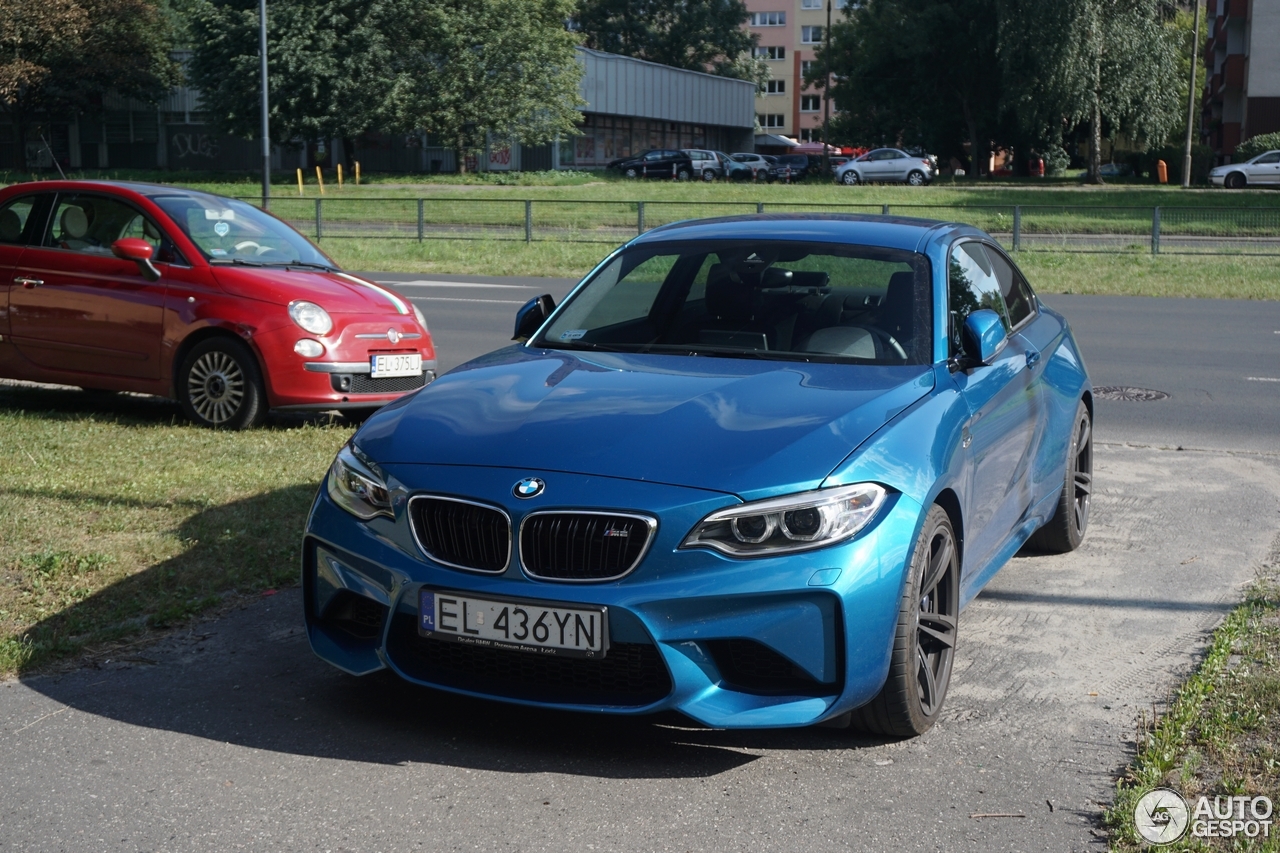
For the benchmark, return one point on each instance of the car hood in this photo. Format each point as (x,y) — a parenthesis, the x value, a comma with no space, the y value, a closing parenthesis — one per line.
(336,292)
(741,426)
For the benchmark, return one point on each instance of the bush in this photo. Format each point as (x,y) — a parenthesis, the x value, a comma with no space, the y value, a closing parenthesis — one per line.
(1254,146)
(1056,162)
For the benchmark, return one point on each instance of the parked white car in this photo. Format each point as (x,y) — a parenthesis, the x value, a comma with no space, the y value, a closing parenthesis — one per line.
(1260,171)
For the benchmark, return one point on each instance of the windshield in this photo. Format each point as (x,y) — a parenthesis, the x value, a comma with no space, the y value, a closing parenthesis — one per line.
(230,231)
(757,299)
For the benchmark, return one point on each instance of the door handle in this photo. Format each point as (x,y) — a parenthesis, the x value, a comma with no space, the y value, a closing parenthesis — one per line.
(28,283)
(1033,356)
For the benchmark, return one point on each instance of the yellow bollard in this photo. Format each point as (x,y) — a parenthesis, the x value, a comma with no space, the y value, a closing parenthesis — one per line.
(339,174)
(320,180)
(357,173)
(300,192)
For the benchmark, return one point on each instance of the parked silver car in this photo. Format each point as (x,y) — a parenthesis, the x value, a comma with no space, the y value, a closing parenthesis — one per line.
(1262,170)
(887,165)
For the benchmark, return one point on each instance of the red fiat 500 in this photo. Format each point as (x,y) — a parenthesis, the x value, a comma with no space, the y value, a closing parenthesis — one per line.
(203,299)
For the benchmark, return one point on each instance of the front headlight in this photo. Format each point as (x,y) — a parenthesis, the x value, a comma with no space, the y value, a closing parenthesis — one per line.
(788,524)
(422,321)
(311,317)
(356,485)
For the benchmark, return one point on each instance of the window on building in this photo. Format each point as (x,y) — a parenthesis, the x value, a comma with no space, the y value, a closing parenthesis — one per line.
(806,65)
(810,103)
(768,19)
(775,87)
(820,4)
(811,35)
(774,120)
(810,134)
(770,53)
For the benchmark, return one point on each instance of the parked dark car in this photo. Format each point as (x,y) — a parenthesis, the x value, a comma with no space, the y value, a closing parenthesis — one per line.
(657,163)
(798,163)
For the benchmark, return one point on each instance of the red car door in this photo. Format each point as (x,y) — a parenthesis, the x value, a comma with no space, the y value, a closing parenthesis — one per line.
(15,228)
(77,308)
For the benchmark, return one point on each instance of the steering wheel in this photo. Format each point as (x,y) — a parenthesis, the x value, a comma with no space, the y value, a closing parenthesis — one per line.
(258,249)
(887,341)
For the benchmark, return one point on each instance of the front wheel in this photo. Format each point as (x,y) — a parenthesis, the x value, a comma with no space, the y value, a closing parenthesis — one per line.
(925,640)
(220,385)
(1235,181)
(1065,531)
(849,178)
(916,178)
(632,172)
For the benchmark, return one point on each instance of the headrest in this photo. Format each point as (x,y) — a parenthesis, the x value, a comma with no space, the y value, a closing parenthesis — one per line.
(74,223)
(900,286)
(727,299)
(10,226)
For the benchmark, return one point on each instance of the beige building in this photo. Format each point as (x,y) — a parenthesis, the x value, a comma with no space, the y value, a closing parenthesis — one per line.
(1242,92)
(790,32)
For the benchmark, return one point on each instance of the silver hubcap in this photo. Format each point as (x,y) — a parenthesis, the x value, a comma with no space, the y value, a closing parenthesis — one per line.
(216,387)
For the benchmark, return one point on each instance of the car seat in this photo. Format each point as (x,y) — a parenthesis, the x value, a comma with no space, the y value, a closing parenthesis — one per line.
(10,227)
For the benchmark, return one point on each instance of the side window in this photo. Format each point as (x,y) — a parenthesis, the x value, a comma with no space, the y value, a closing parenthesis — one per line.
(1017,295)
(90,224)
(972,283)
(13,219)
(1268,159)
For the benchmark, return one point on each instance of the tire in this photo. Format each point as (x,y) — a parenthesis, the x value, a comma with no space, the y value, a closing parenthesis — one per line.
(631,172)
(683,175)
(925,640)
(849,178)
(1065,531)
(708,175)
(1235,181)
(916,178)
(220,385)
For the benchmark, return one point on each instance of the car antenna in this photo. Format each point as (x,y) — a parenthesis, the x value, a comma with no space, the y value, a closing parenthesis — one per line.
(52,156)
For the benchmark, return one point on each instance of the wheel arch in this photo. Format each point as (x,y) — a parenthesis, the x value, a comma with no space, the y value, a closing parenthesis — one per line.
(200,336)
(950,503)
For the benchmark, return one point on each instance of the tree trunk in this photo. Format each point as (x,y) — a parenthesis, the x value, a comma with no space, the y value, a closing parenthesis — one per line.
(349,154)
(1095,142)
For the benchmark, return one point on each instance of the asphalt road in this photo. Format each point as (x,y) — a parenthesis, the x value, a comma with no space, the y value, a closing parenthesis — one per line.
(231,735)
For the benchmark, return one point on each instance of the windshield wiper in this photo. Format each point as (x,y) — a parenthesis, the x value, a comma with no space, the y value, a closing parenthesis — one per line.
(244,262)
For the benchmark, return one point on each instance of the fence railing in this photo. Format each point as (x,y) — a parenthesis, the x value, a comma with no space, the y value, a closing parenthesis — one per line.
(1069,228)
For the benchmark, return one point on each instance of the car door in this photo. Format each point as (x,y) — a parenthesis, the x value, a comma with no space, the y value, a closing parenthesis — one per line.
(1000,397)
(81,309)
(876,166)
(1265,169)
(18,218)
(652,162)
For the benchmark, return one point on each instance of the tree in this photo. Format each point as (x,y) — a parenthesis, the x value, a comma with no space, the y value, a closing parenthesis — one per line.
(62,56)
(921,72)
(329,66)
(469,70)
(1111,63)
(699,35)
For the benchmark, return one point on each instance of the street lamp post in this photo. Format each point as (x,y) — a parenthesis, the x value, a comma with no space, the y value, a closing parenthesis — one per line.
(826,91)
(1191,98)
(266,133)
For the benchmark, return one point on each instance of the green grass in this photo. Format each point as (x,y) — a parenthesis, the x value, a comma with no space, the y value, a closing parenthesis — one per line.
(117,518)
(1220,734)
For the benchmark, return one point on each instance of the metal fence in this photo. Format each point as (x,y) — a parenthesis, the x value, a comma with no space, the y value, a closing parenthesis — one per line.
(1063,228)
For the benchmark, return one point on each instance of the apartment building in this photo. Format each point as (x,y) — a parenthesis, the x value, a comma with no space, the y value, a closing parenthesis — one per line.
(790,32)
(1242,92)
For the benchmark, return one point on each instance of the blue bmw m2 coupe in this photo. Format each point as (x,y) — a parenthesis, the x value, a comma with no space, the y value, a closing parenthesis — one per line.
(751,470)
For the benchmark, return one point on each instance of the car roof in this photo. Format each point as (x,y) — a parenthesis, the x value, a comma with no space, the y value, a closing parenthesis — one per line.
(142,188)
(890,232)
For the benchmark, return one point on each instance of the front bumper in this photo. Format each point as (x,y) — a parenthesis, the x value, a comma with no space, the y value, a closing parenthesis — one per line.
(786,641)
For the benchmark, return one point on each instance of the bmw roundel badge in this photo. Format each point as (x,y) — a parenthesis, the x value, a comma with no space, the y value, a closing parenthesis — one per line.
(529,487)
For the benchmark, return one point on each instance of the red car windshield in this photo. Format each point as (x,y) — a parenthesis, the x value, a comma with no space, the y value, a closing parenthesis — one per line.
(230,231)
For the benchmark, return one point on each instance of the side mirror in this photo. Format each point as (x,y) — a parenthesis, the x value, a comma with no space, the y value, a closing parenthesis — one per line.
(532,315)
(138,250)
(984,335)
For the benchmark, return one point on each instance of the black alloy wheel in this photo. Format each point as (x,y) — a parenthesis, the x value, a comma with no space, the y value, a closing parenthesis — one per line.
(220,385)
(1065,531)
(925,640)
(1235,181)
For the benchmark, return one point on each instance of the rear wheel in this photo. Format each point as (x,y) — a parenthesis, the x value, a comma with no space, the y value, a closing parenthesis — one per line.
(220,385)
(925,641)
(708,175)
(683,175)
(1065,531)
(916,178)
(1235,181)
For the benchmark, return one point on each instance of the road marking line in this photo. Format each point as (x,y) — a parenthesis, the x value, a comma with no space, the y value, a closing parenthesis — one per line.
(427,283)
(457,299)
(1262,379)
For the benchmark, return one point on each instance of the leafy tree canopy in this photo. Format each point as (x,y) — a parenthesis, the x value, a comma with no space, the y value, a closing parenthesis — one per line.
(698,35)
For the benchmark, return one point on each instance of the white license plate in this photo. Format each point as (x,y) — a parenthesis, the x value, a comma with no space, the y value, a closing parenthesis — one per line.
(407,364)
(538,627)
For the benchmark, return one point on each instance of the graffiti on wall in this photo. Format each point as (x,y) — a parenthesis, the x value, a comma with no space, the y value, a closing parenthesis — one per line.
(194,145)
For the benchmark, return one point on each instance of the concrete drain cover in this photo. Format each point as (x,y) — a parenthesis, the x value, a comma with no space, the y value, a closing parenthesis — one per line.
(1128,393)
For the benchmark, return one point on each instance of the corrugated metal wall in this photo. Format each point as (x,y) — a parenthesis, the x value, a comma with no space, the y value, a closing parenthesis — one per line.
(620,85)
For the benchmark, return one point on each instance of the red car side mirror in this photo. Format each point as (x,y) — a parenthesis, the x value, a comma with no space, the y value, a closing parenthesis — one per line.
(139,250)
